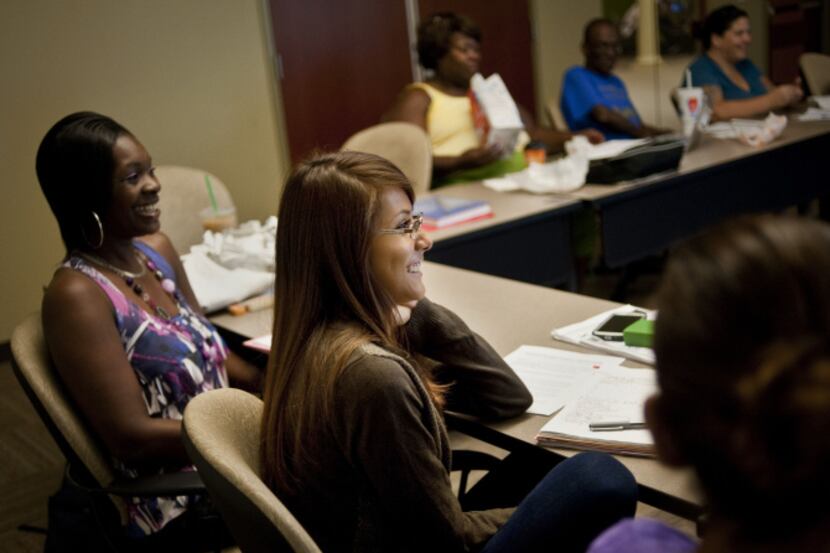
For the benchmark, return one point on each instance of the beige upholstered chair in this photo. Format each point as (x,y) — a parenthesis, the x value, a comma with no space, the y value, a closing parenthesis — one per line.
(88,466)
(816,69)
(555,114)
(183,195)
(404,144)
(221,435)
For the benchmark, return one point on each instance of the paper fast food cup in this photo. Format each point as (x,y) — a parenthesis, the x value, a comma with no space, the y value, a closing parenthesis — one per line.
(691,104)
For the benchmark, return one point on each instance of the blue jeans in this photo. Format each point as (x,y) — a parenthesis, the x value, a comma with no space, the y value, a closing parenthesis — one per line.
(578,499)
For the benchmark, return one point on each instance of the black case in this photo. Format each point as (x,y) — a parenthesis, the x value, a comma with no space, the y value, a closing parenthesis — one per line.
(660,154)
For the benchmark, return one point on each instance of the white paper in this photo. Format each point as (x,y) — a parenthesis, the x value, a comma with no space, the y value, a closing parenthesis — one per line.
(815,114)
(501,112)
(581,334)
(822,101)
(612,394)
(612,148)
(553,375)
(260,343)
(216,286)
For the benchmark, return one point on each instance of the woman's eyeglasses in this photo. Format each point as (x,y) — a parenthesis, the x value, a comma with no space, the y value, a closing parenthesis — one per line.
(412,226)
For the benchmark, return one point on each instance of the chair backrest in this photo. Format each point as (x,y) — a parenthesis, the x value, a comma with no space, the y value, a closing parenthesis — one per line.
(555,114)
(221,435)
(37,376)
(404,144)
(184,194)
(816,70)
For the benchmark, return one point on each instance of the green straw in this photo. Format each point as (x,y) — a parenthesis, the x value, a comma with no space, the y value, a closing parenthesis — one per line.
(210,193)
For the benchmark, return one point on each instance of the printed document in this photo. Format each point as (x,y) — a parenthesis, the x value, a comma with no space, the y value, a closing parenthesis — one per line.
(554,375)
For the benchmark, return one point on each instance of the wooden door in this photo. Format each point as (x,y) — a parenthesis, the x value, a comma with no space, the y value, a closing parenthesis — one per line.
(507,41)
(341,63)
(787,36)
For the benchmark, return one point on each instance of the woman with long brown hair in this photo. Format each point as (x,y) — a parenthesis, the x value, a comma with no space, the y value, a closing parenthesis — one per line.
(362,364)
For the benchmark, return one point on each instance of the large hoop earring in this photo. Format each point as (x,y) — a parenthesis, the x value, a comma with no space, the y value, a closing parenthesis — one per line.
(100,233)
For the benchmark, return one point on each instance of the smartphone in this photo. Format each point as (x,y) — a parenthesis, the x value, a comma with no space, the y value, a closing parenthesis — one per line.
(612,328)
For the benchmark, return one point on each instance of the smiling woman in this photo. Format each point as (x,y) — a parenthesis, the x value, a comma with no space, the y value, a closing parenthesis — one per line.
(734,85)
(120,319)
(361,366)
(449,45)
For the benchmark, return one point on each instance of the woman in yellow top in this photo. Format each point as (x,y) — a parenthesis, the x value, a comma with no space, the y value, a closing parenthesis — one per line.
(450,46)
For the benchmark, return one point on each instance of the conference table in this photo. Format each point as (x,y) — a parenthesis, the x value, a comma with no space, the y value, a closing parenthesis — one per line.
(508,314)
(528,238)
(718,178)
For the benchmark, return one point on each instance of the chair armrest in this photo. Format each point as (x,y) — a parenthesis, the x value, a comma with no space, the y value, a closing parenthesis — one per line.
(468,459)
(158,485)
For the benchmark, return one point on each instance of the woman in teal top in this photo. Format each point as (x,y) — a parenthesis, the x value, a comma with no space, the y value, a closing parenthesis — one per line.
(735,85)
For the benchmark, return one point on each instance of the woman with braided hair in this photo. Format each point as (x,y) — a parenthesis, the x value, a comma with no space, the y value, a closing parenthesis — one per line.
(742,343)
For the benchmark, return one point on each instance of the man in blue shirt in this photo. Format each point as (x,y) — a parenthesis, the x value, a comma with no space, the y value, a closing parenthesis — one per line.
(592,97)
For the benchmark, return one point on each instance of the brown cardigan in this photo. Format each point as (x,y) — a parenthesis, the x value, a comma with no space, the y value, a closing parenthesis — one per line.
(382,482)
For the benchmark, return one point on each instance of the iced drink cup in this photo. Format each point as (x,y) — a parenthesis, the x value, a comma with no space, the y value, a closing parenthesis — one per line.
(218,220)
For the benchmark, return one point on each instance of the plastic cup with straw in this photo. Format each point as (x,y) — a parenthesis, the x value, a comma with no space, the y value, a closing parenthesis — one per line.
(215,218)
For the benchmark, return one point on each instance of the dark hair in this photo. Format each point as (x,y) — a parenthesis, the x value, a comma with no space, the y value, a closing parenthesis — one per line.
(75,167)
(434,35)
(594,23)
(742,343)
(718,22)
(328,301)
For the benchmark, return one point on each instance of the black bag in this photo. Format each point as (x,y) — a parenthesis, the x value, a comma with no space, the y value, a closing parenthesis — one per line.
(660,154)
(80,521)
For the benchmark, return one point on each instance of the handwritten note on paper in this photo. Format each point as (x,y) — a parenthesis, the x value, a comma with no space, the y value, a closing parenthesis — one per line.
(614,394)
(554,375)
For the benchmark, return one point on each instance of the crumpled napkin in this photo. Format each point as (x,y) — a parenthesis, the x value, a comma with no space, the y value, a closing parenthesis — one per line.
(753,132)
(233,265)
(558,176)
(249,246)
(771,129)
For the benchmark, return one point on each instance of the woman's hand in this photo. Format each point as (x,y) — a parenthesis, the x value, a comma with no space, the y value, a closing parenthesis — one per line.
(593,136)
(787,94)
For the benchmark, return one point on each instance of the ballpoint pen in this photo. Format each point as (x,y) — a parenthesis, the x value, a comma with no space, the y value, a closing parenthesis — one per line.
(611,426)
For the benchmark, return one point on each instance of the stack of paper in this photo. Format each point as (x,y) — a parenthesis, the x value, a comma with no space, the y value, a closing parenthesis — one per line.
(581,333)
(554,375)
(613,394)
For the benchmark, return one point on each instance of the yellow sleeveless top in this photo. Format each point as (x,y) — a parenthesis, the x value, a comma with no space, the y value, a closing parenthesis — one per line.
(449,122)
(451,131)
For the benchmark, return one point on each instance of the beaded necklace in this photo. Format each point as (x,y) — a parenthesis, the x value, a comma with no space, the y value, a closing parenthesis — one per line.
(131,280)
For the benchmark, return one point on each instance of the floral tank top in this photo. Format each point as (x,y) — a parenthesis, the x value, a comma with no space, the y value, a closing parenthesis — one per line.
(174,361)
